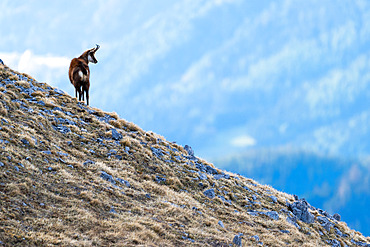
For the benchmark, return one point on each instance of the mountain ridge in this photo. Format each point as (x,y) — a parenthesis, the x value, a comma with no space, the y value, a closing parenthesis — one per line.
(74,175)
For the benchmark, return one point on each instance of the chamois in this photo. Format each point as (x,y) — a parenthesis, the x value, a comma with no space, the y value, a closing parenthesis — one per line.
(79,73)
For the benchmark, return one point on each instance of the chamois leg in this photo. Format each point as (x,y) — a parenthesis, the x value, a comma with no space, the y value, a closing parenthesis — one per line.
(79,93)
(85,89)
(87,97)
(83,94)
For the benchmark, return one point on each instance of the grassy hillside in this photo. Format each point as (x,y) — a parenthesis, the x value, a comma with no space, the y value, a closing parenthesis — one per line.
(71,175)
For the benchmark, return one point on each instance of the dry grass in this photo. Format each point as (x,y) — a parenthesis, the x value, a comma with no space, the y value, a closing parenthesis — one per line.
(52,191)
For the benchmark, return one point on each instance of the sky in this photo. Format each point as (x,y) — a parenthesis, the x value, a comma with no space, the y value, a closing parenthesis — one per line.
(223,76)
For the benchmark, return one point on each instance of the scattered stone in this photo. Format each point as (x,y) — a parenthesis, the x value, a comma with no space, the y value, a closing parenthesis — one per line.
(189,150)
(159,179)
(157,152)
(206,169)
(62,154)
(88,162)
(274,199)
(115,135)
(107,177)
(25,142)
(338,232)
(61,128)
(325,223)
(113,211)
(337,217)
(284,231)
(220,223)
(124,182)
(238,239)
(58,91)
(220,176)
(1,164)
(300,209)
(333,242)
(202,176)
(224,200)
(293,221)
(273,215)
(210,193)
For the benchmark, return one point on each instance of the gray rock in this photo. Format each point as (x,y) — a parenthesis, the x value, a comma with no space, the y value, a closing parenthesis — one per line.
(325,222)
(300,209)
(274,199)
(159,179)
(273,215)
(220,176)
(210,193)
(333,242)
(61,128)
(220,223)
(337,217)
(115,135)
(206,169)
(107,177)
(202,176)
(25,142)
(338,232)
(124,182)
(224,199)
(293,221)
(58,91)
(189,150)
(157,152)
(237,240)
(88,162)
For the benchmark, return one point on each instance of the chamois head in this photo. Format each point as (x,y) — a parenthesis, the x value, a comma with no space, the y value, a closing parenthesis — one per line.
(91,54)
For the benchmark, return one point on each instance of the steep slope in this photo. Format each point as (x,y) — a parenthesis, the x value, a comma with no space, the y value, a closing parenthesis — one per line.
(72,175)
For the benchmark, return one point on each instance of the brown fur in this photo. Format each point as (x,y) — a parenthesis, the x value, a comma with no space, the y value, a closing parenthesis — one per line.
(79,73)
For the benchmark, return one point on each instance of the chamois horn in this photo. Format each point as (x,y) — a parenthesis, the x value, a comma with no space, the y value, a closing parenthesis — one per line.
(97,47)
